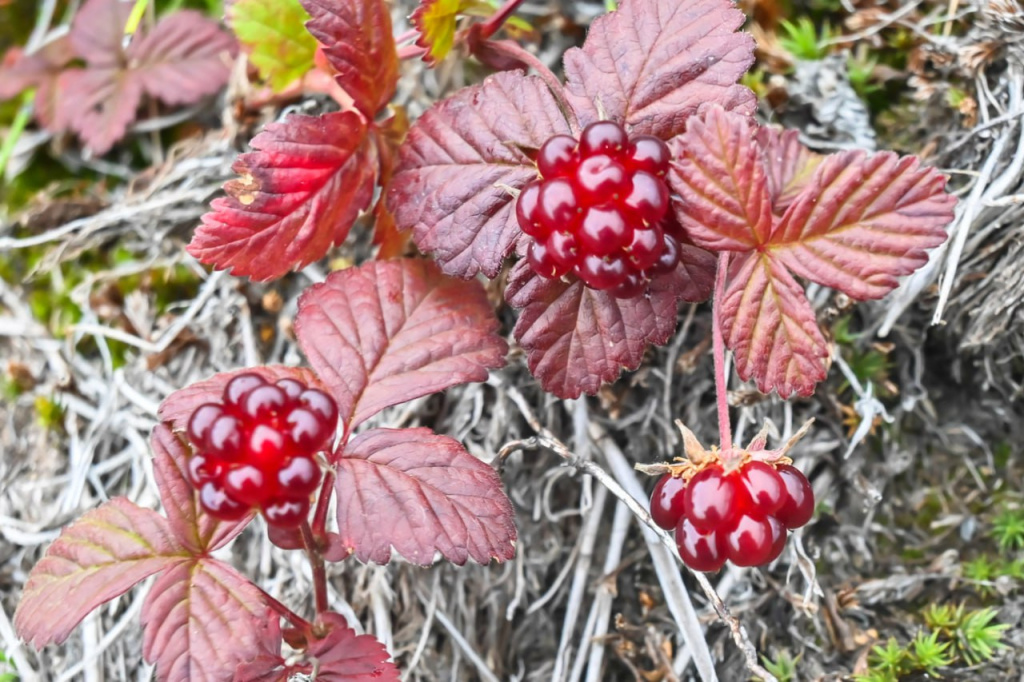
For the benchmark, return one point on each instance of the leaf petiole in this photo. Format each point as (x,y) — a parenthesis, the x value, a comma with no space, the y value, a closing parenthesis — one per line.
(316,560)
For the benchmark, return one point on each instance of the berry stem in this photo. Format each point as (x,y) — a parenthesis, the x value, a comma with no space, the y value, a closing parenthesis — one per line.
(323,501)
(718,352)
(295,619)
(491,26)
(316,560)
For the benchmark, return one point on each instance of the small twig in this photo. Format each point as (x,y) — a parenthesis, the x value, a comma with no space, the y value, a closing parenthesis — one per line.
(460,641)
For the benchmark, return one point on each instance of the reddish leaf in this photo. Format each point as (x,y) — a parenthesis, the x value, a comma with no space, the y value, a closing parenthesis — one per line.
(651,64)
(388,332)
(344,656)
(420,493)
(177,408)
(358,43)
(577,338)
(789,164)
(863,221)
(98,557)
(298,195)
(461,157)
(184,58)
(40,70)
(198,532)
(97,31)
(99,104)
(718,172)
(770,327)
(202,619)
(268,665)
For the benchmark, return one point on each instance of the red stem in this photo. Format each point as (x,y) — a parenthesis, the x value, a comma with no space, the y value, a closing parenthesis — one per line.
(494,22)
(323,501)
(718,351)
(316,559)
(285,612)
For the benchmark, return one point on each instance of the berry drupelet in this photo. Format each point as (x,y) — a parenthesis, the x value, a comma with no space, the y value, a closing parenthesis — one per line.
(255,448)
(599,210)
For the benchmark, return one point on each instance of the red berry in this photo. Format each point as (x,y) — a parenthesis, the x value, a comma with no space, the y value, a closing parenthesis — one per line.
(798,502)
(563,248)
(557,206)
(749,541)
(557,156)
(633,285)
(286,512)
(266,444)
(239,386)
(601,178)
(604,231)
(778,539)
(200,422)
(763,485)
(216,503)
(648,197)
(263,401)
(667,501)
(322,405)
(526,211)
(710,499)
(299,477)
(248,485)
(602,137)
(669,258)
(202,468)
(700,551)
(543,263)
(224,439)
(646,247)
(649,154)
(292,388)
(601,273)
(305,429)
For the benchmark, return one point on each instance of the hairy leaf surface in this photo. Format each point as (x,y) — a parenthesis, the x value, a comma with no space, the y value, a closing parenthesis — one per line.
(390,331)
(202,619)
(577,338)
(864,221)
(198,532)
(274,34)
(451,186)
(720,173)
(298,195)
(100,556)
(357,39)
(652,64)
(789,165)
(770,327)
(420,493)
(177,408)
(344,656)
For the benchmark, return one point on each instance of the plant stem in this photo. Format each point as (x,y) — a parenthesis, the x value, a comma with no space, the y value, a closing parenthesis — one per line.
(316,560)
(494,22)
(718,352)
(323,501)
(17,128)
(285,612)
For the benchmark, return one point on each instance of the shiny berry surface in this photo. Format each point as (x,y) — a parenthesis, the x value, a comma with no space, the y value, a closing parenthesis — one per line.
(749,540)
(667,501)
(255,449)
(602,196)
(700,551)
(710,499)
(798,502)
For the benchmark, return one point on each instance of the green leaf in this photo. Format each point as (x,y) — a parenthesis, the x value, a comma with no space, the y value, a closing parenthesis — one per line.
(978,638)
(930,654)
(273,33)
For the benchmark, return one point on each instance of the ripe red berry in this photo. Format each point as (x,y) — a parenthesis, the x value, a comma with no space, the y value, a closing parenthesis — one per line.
(763,486)
(749,540)
(603,137)
(700,551)
(604,196)
(557,156)
(255,449)
(667,501)
(798,502)
(710,499)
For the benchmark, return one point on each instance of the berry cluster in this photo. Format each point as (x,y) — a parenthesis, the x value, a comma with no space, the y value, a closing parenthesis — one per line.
(741,516)
(597,210)
(255,449)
